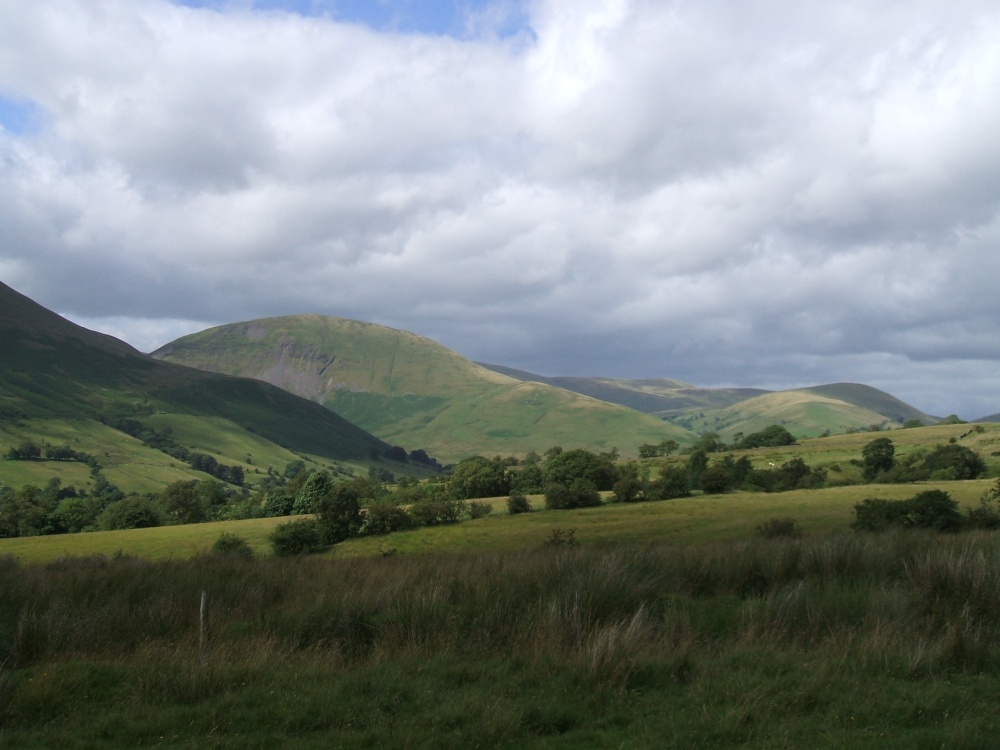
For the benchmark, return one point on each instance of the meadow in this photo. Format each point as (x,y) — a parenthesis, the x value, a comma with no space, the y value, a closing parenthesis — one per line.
(672,624)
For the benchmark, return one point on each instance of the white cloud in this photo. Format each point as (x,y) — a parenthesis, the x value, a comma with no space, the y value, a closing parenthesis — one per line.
(723,192)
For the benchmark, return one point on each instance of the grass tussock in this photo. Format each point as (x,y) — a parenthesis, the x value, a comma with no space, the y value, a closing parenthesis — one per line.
(808,621)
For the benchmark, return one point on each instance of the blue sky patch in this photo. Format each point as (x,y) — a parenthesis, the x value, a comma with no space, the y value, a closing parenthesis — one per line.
(439,17)
(19,115)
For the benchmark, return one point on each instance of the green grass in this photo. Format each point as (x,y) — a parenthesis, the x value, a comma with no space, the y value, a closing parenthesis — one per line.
(849,640)
(686,521)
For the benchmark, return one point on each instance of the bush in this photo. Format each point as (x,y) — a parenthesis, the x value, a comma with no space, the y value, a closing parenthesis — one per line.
(383,517)
(437,512)
(580,493)
(480,510)
(230,544)
(780,528)
(932,509)
(296,537)
(673,483)
(518,503)
(132,512)
(716,479)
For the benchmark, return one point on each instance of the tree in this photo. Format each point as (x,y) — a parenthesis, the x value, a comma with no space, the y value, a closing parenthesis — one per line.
(672,483)
(568,466)
(879,455)
(480,477)
(770,437)
(313,493)
(183,503)
(716,479)
(340,510)
(132,512)
(696,465)
(953,461)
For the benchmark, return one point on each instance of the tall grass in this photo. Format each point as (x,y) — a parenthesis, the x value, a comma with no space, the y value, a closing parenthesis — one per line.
(604,607)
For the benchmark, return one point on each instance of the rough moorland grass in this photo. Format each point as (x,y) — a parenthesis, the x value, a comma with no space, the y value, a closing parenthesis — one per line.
(850,640)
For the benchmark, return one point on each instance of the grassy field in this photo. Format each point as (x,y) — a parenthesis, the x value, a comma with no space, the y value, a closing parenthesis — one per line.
(835,641)
(686,521)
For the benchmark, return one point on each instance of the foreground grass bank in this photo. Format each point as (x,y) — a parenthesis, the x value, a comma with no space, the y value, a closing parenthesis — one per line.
(849,640)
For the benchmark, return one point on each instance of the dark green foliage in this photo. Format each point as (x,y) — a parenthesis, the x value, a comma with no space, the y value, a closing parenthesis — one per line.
(296,537)
(480,477)
(480,510)
(313,493)
(666,448)
(780,528)
(528,480)
(709,442)
(183,503)
(987,515)
(518,503)
(696,465)
(579,493)
(716,479)
(954,461)
(568,466)
(25,452)
(672,483)
(795,474)
(878,456)
(770,437)
(74,514)
(340,509)
(132,512)
(231,544)
(628,489)
(932,509)
(385,517)
(437,512)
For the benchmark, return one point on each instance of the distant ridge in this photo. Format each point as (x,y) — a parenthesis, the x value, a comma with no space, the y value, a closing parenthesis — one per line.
(408,389)
(809,411)
(662,396)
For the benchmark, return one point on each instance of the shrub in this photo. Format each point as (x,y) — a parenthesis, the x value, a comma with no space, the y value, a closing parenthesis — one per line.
(628,489)
(437,512)
(932,509)
(716,479)
(580,493)
(778,528)
(383,517)
(673,483)
(230,544)
(296,537)
(132,512)
(480,510)
(518,503)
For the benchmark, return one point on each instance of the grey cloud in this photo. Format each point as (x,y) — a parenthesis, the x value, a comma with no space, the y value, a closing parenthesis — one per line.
(721,192)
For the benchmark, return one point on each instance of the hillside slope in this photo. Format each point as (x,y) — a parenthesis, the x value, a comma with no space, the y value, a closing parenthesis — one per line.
(52,368)
(659,396)
(806,411)
(408,389)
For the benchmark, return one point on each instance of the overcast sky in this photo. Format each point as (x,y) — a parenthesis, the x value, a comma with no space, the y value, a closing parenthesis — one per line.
(747,192)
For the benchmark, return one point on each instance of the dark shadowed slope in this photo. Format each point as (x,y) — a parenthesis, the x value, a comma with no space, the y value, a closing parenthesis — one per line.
(51,367)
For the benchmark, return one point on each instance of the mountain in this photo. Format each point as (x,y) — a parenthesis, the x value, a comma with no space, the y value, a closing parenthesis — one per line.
(53,370)
(408,389)
(810,411)
(662,397)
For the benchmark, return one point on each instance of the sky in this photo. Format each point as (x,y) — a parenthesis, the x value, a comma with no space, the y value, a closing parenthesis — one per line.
(728,192)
